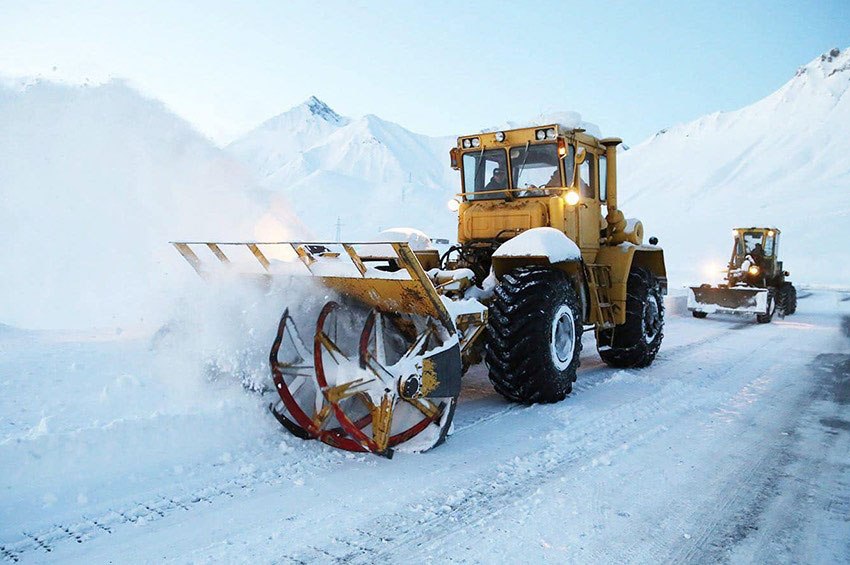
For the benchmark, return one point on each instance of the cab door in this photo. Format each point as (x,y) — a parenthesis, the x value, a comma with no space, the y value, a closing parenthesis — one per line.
(589,207)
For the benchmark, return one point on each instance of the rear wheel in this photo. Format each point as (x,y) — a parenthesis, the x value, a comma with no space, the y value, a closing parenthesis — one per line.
(534,335)
(698,314)
(636,342)
(788,298)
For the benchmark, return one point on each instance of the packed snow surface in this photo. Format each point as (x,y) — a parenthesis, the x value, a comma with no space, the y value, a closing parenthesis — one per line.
(733,445)
(541,242)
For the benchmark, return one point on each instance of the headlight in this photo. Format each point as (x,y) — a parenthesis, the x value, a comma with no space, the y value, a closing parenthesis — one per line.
(540,134)
(467,144)
(453,205)
(550,133)
(770,233)
(476,142)
(754,270)
(572,198)
(500,136)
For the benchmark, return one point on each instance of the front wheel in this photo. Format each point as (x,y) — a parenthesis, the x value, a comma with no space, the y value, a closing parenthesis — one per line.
(636,342)
(534,335)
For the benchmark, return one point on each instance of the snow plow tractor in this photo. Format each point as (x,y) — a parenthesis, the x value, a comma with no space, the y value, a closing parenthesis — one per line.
(543,253)
(755,280)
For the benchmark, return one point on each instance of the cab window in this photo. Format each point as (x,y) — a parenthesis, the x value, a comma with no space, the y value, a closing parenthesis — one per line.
(768,245)
(585,172)
(603,178)
(535,167)
(569,164)
(485,171)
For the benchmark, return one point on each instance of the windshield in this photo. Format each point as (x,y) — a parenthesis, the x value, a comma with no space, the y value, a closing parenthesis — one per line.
(535,167)
(752,243)
(753,239)
(485,171)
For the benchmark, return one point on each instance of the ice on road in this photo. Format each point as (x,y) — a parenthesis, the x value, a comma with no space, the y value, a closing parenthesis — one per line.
(733,446)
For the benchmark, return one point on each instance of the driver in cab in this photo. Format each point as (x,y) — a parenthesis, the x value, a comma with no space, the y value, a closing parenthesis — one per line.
(499,181)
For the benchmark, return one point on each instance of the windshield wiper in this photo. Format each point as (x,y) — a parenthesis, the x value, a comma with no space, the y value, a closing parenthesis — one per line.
(524,159)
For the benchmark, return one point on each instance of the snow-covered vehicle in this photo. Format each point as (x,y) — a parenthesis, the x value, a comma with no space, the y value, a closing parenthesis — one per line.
(755,280)
(536,263)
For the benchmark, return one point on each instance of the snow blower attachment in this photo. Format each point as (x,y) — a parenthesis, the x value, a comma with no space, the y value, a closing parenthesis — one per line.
(755,280)
(543,252)
(380,368)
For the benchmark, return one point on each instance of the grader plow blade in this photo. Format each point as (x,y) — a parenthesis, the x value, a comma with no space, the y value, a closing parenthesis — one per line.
(711,299)
(379,370)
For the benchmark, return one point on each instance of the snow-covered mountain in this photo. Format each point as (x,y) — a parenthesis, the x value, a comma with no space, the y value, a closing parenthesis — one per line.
(274,143)
(368,173)
(94,183)
(783,161)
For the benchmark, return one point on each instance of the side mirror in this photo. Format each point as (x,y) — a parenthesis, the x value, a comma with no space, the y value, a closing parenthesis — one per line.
(653,240)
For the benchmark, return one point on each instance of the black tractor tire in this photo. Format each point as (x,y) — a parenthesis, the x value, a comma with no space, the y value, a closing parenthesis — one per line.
(534,335)
(636,342)
(788,298)
(771,309)
(698,314)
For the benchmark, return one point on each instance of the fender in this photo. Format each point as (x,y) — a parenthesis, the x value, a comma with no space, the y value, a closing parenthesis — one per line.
(620,258)
(546,247)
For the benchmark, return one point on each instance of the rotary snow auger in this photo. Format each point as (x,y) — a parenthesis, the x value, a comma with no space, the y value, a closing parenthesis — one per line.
(755,280)
(379,368)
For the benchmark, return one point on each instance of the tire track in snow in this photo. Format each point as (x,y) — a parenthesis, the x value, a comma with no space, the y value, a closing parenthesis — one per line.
(500,491)
(164,504)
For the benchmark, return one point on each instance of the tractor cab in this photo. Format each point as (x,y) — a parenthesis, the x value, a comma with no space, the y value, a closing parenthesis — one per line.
(541,176)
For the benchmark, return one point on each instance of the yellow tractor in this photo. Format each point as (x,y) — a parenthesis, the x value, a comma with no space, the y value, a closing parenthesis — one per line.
(543,253)
(755,280)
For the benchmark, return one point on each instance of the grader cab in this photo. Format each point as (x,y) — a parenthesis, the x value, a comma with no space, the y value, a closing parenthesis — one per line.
(542,253)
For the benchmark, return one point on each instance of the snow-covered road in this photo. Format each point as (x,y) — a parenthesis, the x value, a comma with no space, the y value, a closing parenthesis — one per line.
(734,445)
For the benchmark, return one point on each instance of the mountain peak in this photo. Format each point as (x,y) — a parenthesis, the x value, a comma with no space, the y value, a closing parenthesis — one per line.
(322,110)
(828,64)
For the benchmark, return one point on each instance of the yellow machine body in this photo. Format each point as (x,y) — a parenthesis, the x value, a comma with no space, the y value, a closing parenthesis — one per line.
(579,199)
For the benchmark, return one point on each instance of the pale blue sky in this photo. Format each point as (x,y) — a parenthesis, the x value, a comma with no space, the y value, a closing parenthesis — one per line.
(435,67)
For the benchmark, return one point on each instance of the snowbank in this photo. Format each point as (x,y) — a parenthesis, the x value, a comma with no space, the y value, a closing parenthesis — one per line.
(95,182)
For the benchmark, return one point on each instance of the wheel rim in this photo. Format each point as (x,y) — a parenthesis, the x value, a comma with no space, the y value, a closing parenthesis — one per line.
(651,319)
(563,343)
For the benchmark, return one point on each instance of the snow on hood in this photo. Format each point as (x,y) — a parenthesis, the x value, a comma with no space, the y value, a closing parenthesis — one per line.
(541,242)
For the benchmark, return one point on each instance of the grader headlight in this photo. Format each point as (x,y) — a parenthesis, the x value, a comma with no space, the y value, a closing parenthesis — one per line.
(571,198)
(540,134)
(500,136)
(754,270)
(453,205)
